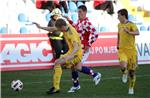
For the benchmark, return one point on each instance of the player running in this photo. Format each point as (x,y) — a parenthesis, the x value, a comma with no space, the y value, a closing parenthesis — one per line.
(88,36)
(126,48)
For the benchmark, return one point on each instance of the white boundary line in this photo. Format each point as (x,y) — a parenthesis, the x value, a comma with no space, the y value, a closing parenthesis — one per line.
(50,64)
(64,80)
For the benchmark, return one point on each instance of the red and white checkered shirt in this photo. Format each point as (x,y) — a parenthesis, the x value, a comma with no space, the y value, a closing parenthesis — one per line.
(86,31)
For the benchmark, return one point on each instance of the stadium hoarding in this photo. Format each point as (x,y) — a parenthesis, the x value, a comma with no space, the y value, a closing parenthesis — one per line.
(33,51)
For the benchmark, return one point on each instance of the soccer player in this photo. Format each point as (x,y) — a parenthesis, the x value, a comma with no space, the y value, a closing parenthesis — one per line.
(88,36)
(126,48)
(72,59)
(58,43)
(57,40)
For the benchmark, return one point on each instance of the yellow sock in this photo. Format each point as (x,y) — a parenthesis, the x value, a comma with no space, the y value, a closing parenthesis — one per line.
(132,82)
(57,77)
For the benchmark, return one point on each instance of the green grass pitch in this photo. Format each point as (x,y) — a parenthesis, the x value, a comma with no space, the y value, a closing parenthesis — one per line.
(37,82)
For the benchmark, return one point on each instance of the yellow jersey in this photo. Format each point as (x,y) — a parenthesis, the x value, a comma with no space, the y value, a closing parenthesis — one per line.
(72,36)
(126,41)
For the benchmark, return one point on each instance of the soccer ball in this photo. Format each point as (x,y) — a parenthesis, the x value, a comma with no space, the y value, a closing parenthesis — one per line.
(16,85)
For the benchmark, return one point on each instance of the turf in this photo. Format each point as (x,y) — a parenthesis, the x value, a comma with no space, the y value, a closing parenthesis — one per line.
(37,82)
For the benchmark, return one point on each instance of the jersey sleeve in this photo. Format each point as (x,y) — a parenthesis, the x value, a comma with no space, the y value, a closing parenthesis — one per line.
(133,27)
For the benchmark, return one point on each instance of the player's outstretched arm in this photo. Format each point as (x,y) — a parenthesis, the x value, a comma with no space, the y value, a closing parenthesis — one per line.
(50,29)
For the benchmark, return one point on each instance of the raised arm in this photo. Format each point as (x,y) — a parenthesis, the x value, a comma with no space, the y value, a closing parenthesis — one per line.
(69,20)
(50,29)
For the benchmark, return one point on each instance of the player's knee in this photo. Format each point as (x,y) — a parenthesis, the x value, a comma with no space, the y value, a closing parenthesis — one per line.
(131,73)
(78,67)
(123,64)
(73,68)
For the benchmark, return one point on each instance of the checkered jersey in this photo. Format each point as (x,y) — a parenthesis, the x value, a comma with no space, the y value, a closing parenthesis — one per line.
(86,31)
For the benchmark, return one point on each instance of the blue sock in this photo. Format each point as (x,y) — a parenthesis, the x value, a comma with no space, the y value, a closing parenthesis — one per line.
(75,77)
(88,71)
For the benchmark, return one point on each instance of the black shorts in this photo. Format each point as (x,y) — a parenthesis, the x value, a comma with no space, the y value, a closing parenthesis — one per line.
(59,47)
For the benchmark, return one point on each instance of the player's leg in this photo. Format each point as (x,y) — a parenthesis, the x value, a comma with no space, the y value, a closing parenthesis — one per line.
(75,75)
(85,57)
(56,80)
(123,64)
(131,67)
(86,70)
(75,81)
(57,45)
(57,76)
(132,80)
(124,71)
(97,75)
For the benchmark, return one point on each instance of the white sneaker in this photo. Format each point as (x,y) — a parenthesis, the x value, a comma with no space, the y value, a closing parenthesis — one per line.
(124,78)
(74,89)
(97,78)
(131,91)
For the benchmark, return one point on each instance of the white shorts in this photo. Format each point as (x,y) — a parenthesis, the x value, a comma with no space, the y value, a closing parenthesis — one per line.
(85,56)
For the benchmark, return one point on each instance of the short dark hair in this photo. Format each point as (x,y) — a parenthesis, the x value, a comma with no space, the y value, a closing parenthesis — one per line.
(83,7)
(60,22)
(123,12)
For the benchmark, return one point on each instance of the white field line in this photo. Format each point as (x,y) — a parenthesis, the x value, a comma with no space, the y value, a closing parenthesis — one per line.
(83,80)
(51,64)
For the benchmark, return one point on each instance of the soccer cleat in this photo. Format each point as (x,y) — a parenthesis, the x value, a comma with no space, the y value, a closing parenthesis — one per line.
(52,91)
(97,78)
(125,78)
(74,89)
(131,91)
